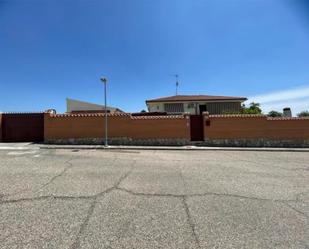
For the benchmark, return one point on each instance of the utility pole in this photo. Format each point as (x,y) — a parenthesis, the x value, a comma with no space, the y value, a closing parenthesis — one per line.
(104,80)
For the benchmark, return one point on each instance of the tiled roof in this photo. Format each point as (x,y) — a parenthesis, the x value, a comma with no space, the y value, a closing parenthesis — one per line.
(159,117)
(22,113)
(195,98)
(68,115)
(287,118)
(256,116)
(237,116)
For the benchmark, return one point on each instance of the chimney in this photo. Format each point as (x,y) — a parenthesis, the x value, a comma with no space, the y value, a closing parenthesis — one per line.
(287,112)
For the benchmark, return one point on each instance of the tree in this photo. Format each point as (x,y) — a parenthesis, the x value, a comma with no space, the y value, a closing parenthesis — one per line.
(275,114)
(143,110)
(229,112)
(303,114)
(254,108)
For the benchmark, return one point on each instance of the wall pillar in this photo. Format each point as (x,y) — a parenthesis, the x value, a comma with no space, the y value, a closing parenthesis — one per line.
(206,123)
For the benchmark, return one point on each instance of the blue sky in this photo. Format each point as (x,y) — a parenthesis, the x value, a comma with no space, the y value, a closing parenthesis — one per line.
(50,50)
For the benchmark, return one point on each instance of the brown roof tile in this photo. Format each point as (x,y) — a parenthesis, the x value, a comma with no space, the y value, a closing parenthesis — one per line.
(195,98)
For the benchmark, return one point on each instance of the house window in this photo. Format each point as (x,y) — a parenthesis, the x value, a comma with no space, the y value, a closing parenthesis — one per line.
(191,105)
(174,108)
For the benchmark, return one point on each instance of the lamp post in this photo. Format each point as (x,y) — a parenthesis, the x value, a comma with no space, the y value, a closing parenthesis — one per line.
(104,80)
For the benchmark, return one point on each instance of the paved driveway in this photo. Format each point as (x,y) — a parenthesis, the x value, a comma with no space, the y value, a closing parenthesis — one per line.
(153,199)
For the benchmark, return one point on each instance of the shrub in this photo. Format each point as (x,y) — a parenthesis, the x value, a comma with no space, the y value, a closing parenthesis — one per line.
(303,114)
(275,114)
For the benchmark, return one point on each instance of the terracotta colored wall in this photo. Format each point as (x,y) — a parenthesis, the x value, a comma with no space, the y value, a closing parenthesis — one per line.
(122,125)
(255,127)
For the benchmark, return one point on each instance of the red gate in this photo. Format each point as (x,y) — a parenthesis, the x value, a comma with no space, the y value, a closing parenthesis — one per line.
(196,128)
(23,127)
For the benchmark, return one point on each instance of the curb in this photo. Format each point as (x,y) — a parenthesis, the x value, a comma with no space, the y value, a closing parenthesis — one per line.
(187,148)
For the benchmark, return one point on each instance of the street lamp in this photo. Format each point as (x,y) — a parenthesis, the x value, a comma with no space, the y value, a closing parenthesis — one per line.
(104,80)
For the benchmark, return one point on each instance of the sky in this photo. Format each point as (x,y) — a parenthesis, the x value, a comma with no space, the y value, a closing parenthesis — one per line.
(54,49)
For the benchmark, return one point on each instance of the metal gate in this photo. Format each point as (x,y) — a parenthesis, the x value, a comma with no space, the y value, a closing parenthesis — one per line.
(23,127)
(196,128)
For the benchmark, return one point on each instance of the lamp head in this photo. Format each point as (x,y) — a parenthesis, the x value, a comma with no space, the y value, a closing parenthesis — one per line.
(104,80)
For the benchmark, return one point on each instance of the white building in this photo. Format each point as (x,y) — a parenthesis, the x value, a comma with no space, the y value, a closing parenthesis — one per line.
(78,106)
(195,104)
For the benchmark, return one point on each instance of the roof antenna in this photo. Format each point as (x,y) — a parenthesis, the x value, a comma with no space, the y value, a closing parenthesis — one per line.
(177,83)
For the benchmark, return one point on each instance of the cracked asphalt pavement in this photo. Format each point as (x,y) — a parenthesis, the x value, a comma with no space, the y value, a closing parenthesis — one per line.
(153,199)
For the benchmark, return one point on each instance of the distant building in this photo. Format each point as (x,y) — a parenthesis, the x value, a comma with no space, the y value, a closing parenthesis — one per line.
(287,112)
(195,104)
(78,106)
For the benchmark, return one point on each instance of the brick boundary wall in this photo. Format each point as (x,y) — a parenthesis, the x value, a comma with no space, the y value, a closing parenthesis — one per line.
(122,129)
(219,130)
(255,131)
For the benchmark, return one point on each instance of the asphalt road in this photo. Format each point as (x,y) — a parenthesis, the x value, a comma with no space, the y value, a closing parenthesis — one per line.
(153,199)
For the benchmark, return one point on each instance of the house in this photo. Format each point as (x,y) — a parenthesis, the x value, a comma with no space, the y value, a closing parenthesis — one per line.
(195,104)
(78,106)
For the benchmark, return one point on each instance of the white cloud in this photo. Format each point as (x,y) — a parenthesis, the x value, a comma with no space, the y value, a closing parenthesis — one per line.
(295,93)
(296,106)
(296,98)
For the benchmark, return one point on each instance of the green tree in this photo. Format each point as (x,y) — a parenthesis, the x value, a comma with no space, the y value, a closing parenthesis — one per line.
(229,112)
(143,110)
(254,108)
(275,114)
(303,114)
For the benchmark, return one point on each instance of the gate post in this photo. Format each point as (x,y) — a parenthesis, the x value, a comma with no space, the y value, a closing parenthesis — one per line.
(187,118)
(206,123)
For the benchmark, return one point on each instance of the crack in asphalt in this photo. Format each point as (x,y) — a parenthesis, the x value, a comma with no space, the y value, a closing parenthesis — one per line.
(122,178)
(70,165)
(148,194)
(90,212)
(84,225)
(182,177)
(191,222)
(46,197)
(265,165)
(199,195)
(49,182)
(296,210)
(116,187)
(187,211)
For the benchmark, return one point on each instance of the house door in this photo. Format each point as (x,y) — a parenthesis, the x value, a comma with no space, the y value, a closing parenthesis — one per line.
(202,108)
(196,128)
